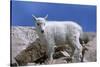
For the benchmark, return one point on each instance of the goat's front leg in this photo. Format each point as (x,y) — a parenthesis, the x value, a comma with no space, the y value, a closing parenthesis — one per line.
(50,52)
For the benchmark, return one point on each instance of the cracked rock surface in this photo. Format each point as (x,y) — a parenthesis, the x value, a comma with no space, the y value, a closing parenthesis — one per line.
(26,48)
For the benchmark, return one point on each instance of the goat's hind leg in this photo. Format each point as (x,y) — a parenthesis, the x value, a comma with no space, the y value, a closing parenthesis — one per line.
(76,48)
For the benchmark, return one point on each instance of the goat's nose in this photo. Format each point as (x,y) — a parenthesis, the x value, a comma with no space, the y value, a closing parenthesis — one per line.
(42,31)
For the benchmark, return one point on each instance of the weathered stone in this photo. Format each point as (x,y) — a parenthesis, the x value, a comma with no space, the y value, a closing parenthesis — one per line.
(32,53)
(27,49)
(87,36)
(91,54)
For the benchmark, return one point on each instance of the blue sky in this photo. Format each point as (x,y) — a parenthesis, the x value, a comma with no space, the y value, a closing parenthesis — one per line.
(85,15)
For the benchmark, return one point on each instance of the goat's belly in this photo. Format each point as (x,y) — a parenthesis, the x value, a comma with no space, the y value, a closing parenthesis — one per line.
(60,40)
(60,43)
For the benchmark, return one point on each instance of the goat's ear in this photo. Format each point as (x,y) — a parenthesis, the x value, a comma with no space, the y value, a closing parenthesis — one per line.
(46,16)
(34,17)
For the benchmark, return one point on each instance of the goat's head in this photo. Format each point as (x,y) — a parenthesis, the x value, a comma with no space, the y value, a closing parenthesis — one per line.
(40,22)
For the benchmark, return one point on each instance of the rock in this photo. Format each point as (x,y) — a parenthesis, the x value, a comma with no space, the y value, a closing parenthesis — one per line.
(26,48)
(21,36)
(91,54)
(36,53)
(59,61)
(31,64)
(32,53)
(87,36)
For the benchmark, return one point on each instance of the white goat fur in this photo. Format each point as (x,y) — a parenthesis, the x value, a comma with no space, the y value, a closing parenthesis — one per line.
(57,33)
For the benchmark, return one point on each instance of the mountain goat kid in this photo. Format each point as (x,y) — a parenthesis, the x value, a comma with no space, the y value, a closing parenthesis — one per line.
(57,33)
